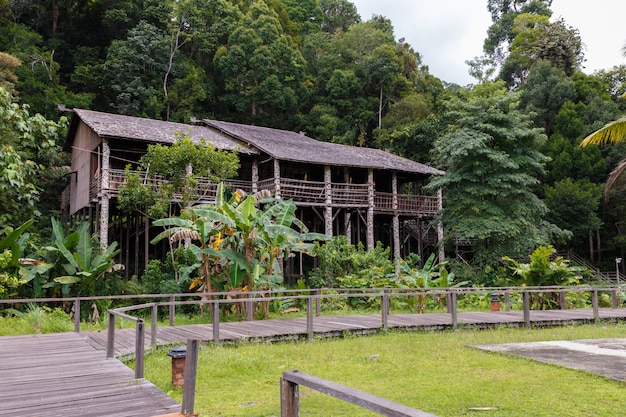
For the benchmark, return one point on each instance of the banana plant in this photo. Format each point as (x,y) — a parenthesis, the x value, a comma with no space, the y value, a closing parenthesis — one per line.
(249,233)
(78,259)
(431,275)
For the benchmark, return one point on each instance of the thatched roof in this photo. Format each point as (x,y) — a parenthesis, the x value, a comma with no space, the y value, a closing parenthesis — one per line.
(246,139)
(109,125)
(297,147)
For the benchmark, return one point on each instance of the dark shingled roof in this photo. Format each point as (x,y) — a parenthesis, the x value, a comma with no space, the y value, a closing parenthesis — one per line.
(148,130)
(297,147)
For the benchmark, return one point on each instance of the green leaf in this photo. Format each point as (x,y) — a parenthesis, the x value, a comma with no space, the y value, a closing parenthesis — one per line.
(67,279)
(9,240)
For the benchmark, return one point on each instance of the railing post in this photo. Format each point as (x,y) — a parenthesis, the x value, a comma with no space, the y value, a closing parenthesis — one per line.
(191,369)
(384,306)
(453,313)
(139,341)
(289,399)
(614,302)
(77,315)
(250,310)
(507,301)
(562,303)
(526,298)
(309,317)
(172,309)
(153,324)
(216,321)
(111,336)
(318,302)
(594,303)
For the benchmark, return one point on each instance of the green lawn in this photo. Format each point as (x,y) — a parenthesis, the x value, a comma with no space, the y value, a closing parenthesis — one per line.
(432,371)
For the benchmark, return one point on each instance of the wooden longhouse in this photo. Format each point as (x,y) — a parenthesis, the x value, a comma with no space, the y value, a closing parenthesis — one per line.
(368,195)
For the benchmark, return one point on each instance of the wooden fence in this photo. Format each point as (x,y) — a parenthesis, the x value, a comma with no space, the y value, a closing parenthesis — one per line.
(289,396)
(314,298)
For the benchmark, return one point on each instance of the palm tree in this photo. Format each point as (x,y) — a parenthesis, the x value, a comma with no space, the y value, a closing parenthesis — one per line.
(614,132)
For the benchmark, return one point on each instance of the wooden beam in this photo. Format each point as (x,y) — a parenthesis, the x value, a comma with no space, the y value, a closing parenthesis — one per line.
(370,209)
(104,198)
(276,178)
(328,201)
(362,399)
(396,218)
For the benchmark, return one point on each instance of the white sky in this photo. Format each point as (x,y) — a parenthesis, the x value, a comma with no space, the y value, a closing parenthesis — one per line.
(449,32)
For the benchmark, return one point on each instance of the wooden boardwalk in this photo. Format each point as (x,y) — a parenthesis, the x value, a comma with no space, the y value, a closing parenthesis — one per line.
(333,326)
(61,375)
(67,374)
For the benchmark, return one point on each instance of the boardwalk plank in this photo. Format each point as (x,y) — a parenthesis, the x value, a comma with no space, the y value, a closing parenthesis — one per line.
(68,374)
(62,375)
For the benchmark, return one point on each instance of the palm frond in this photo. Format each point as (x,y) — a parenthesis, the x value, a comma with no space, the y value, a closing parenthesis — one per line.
(613,132)
(616,177)
(184,234)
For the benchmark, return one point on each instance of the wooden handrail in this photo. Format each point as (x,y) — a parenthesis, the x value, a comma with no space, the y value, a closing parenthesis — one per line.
(289,396)
(300,191)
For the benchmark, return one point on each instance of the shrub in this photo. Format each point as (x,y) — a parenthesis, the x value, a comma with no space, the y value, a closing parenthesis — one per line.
(344,265)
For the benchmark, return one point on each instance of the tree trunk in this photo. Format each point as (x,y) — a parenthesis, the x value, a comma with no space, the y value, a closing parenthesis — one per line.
(380,108)
(55,18)
(599,247)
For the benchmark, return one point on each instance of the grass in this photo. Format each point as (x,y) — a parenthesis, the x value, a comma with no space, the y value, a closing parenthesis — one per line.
(435,372)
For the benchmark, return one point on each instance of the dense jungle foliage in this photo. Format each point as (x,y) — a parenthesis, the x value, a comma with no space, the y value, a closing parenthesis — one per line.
(516,178)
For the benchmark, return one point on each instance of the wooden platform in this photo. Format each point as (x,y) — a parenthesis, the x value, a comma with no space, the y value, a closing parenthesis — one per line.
(67,374)
(61,375)
(332,326)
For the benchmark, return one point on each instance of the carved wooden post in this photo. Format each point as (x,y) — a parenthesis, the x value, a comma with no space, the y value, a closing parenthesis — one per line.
(255,176)
(348,215)
(328,194)
(104,195)
(442,253)
(276,178)
(370,209)
(396,218)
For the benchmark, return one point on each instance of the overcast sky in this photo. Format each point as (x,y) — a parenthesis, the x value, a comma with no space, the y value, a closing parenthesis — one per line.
(449,32)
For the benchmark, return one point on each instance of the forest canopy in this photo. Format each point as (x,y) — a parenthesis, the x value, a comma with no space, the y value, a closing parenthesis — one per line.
(318,66)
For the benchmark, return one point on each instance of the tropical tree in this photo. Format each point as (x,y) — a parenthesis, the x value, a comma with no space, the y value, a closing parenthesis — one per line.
(614,132)
(536,38)
(29,161)
(262,69)
(491,157)
(503,13)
